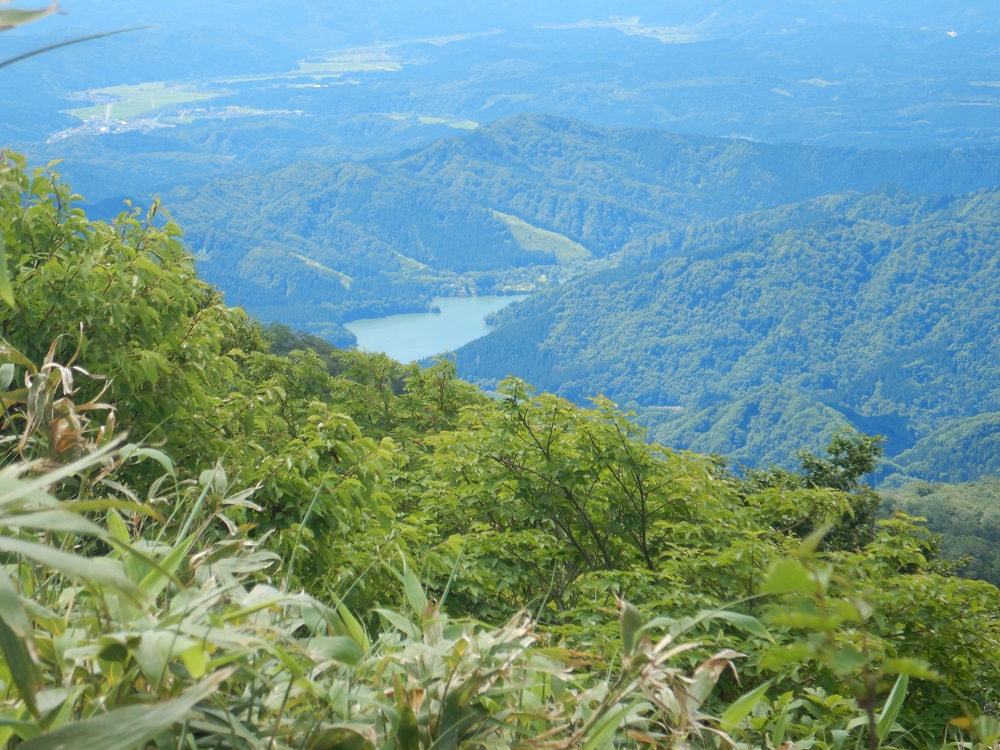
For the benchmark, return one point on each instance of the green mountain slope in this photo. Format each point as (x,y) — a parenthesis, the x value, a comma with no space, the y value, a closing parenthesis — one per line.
(389,244)
(879,311)
(968,515)
(439,220)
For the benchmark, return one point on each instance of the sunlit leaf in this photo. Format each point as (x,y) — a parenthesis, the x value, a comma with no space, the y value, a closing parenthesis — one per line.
(337,648)
(916,668)
(631,626)
(788,576)
(196,661)
(742,707)
(893,705)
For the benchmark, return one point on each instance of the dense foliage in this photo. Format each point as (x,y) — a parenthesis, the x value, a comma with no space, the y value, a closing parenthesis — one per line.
(302,549)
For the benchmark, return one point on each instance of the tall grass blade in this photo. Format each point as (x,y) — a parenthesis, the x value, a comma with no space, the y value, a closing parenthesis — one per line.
(92,570)
(741,707)
(66,43)
(127,728)
(21,665)
(893,705)
(604,729)
(12,611)
(6,290)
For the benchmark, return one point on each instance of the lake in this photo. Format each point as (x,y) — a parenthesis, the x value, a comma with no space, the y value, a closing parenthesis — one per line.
(420,335)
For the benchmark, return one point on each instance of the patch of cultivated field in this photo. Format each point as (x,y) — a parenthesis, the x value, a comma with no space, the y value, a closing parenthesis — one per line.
(332,67)
(537,240)
(127,102)
(428,120)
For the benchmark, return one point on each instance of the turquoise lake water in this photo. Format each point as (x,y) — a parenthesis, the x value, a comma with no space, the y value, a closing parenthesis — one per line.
(419,335)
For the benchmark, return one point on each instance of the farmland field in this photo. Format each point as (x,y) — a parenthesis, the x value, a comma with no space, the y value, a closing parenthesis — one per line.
(536,239)
(331,67)
(131,101)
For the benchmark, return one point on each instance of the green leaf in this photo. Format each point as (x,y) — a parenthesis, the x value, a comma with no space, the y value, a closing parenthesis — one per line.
(347,624)
(780,657)
(196,661)
(399,622)
(986,729)
(139,452)
(338,648)
(155,650)
(11,608)
(631,624)
(23,729)
(408,731)
(12,355)
(916,668)
(6,290)
(54,519)
(741,707)
(604,728)
(847,659)
(11,18)
(7,372)
(893,705)
(414,592)
(839,738)
(352,736)
(156,580)
(788,576)
(747,623)
(126,728)
(811,543)
(22,666)
(91,570)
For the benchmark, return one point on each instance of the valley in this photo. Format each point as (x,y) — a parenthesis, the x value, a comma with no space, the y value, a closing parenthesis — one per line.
(594,375)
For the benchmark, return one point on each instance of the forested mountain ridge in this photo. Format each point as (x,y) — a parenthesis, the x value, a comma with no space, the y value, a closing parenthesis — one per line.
(753,335)
(396,232)
(562,174)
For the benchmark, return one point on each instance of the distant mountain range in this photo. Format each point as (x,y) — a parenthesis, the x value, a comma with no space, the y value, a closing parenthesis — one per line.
(453,216)
(307,82)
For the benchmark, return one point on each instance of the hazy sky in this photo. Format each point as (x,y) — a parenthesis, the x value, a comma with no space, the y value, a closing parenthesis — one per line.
(356,19)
